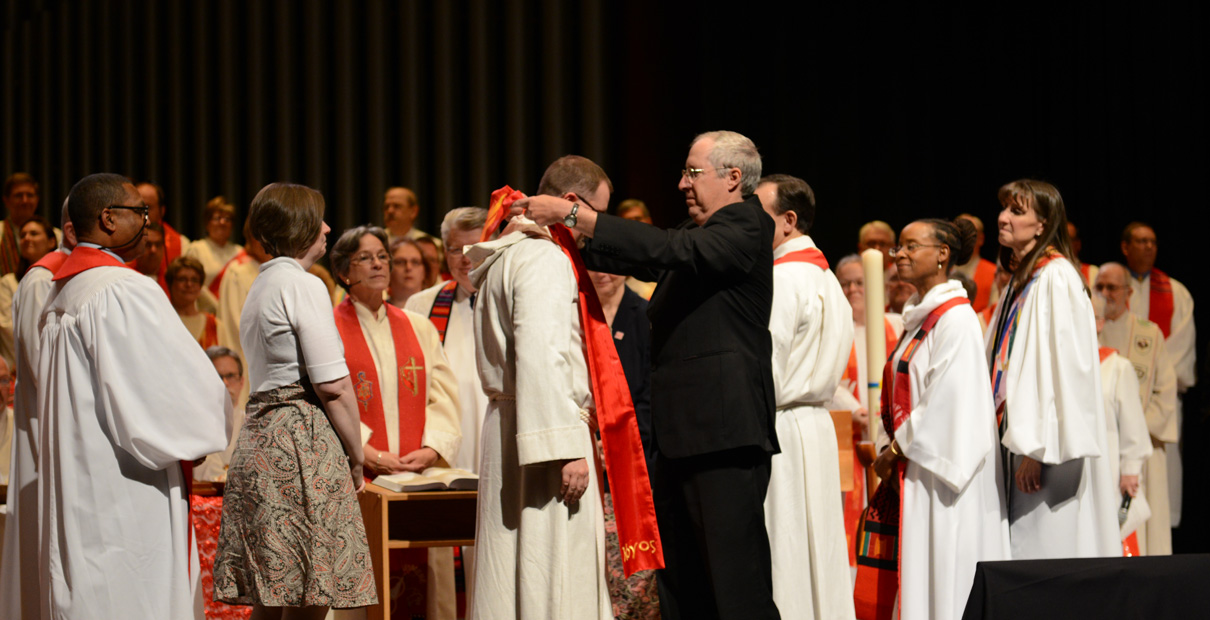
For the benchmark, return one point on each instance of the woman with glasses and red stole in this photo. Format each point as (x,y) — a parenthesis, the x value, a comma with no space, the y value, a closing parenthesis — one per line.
(939,509)
(1046,380)
(406,394)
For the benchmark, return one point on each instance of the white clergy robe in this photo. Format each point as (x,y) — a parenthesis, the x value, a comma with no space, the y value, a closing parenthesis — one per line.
(1055,416)
(536,557)
(440,426)
(812,329)
(1125,426)
(19,563)
(124,395)
(1142,344)
(953,498)
(1181,345)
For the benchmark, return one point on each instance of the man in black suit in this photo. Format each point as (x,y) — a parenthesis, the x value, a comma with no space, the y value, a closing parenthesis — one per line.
(712,397)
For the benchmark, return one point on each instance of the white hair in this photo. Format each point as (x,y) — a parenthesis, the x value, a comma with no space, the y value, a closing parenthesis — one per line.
(464,219)
(733,150)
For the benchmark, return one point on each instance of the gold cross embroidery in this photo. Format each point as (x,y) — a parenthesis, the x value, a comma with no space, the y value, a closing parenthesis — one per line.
(408,375)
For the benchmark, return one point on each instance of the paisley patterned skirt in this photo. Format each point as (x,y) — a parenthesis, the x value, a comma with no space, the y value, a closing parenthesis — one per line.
(291,533)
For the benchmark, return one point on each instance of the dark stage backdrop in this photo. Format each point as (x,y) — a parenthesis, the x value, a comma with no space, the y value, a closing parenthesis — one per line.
(892,113)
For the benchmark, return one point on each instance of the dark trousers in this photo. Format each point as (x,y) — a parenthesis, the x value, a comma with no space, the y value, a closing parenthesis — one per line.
(711,516)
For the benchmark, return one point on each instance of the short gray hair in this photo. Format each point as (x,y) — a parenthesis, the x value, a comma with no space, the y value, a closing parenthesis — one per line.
(851,258)
(733,150)
(1111,265)
(346,246)
(463,219)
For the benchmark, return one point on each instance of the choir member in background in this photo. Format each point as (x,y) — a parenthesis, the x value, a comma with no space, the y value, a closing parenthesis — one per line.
(19,576)
(407,394)
(1042,346)
(980,270)
(941,472)
(409,271)
(291,488)
(876,235)
(184,277)
(812,330)
(1167,303)
(434,258)
(898,291)
(231,370)
(36,239)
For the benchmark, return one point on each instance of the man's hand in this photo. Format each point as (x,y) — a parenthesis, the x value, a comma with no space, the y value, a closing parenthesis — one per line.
(575,480)
(1029,475)
(1129,485)
(418,460)
(544,210)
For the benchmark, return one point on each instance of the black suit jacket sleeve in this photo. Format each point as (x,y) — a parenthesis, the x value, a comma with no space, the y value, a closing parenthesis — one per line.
(727,246)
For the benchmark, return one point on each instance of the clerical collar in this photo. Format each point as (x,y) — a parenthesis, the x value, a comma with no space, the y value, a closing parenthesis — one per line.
(89,244)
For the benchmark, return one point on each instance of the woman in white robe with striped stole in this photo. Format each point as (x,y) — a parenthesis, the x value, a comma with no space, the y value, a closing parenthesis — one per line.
(951,511)
(1046,381)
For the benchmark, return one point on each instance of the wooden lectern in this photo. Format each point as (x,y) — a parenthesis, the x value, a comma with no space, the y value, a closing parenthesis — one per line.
(409,521)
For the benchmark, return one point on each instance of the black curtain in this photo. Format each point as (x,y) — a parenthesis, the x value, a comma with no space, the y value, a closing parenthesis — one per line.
(452,99)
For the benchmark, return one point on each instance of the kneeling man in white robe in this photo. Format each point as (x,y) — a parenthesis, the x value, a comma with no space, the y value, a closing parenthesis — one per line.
(125,395)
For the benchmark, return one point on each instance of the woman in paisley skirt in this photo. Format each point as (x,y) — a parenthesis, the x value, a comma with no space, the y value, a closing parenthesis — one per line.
(292,542)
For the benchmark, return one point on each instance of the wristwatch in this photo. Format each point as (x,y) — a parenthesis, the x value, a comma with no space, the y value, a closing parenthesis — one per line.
(571,219)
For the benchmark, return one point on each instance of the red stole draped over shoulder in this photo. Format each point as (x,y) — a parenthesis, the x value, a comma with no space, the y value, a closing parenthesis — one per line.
(51,262)
(409,362)
(806,255)
(82,259)
(878,559)
(239,259)
(638,534)
(1160,306)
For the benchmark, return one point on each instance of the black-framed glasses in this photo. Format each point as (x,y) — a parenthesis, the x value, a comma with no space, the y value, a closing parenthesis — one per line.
(145,210)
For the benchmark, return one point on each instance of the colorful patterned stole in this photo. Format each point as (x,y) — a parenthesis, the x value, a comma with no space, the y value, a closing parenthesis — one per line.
(1006,333)
(439,314)
(409,360)
(1160,304)
(878,535)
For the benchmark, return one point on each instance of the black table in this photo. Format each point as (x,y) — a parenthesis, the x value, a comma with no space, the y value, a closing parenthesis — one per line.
(1092,588)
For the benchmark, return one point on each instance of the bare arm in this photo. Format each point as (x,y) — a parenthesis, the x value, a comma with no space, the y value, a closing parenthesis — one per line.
(338,401)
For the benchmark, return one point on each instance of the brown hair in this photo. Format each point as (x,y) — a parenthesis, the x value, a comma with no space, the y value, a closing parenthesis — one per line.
(218,204)
(286,218)
(23,265)
(346,246)
(574,174)
(19,178)
(180,264)
(1047,204)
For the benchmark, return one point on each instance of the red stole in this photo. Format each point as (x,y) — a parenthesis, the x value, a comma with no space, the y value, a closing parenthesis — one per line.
(52,262)
(806,255)
(1105,352)
(409,358)
(854,501)
(878,560)
(84,258)
(638,533)
(210,332)
(498,206)
(239,259)
(1160,301)
(985,277)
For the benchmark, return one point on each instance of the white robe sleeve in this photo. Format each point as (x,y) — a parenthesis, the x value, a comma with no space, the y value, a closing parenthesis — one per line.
(442,430)
(1160,412)
(1134,442)
(1053,373)
(544,299)
(947,432)
(159,412)
(1182,337)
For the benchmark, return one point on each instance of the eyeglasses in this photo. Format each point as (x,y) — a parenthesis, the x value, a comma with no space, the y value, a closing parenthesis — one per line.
(1148,241)
(230,376)
(366,257)
(912,247)
(1103,286)
(691,174)
(222,219)
(188,280)
(144,209)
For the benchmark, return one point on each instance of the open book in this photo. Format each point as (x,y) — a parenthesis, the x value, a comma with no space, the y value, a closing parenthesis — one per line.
(431,479)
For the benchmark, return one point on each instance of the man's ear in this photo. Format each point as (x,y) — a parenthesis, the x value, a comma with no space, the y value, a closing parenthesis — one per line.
(734,177)
(792,220)
(106,222)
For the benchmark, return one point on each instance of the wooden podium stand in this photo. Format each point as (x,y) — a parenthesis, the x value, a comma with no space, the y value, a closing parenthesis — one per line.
(409,521)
